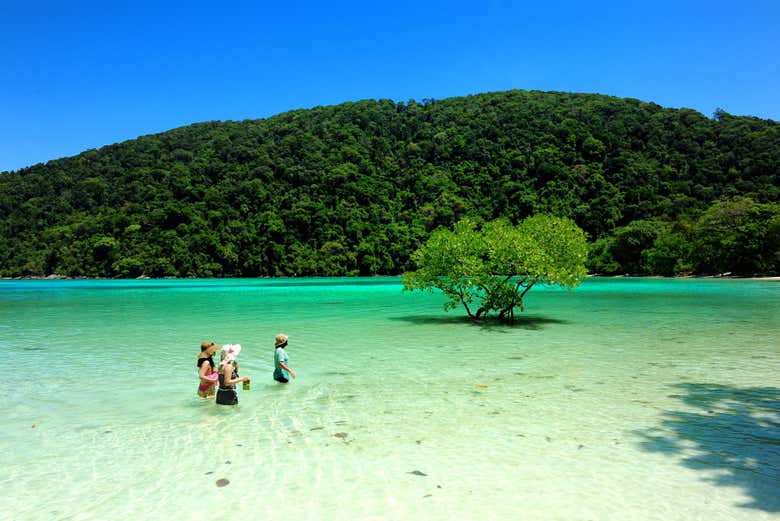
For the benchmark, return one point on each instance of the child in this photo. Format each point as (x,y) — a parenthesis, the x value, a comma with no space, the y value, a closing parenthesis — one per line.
(228,375)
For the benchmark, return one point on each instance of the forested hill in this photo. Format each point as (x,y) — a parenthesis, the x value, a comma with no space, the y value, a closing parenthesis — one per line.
(355,188)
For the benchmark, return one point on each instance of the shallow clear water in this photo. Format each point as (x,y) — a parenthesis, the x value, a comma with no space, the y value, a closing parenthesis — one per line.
(632,399)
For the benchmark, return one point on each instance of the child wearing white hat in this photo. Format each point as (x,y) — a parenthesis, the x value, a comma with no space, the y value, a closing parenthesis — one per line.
(228,375)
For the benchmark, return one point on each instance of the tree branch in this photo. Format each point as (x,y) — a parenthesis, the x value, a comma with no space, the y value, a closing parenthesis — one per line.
(463,301)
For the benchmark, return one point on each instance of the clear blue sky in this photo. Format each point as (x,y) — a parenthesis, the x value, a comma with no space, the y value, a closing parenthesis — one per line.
(79,75)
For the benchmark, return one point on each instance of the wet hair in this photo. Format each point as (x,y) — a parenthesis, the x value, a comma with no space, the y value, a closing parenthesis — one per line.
(208,359)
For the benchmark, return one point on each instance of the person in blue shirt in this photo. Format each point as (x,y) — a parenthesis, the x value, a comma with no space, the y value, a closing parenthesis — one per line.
(282,371)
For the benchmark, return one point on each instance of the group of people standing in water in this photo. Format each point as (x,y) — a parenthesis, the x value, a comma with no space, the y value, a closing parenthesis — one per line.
(221,379)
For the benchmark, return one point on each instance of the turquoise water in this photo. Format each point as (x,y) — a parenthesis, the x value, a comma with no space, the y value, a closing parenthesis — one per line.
(636,399)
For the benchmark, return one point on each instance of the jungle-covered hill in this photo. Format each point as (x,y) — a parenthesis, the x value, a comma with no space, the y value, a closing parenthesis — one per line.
(355,188)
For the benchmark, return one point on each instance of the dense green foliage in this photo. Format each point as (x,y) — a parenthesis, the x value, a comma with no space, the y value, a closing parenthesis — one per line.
(356,188)
(492,268)
(736,235)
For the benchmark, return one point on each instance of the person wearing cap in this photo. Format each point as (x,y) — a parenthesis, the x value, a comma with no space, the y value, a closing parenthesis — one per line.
(228,375)
(207,370)
(282,371)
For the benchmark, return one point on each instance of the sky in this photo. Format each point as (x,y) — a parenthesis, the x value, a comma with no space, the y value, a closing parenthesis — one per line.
(81,75)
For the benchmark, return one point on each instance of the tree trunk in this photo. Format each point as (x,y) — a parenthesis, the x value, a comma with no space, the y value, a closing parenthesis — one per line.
(510,311)
(467,307)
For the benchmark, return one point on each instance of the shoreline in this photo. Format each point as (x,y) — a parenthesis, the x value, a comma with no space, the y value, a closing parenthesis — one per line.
(728,276)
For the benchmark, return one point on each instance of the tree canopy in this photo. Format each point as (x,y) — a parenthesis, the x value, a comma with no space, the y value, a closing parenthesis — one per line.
(492,268)
(356,188)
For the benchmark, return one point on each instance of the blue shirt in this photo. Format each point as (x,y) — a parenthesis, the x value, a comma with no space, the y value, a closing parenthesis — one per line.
(281,356)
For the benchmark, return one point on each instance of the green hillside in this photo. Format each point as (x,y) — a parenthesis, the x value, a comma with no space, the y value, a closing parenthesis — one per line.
(355,188)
